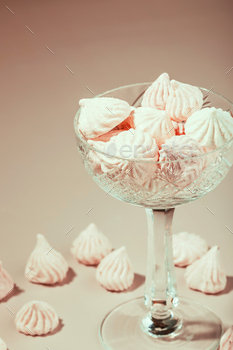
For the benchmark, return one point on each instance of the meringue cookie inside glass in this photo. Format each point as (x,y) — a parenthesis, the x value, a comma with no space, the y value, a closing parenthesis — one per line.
(226,342)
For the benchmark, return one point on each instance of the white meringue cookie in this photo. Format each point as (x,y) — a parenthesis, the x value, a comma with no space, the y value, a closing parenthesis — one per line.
(36,318)
(100,115)
(91,246)
(45,264)
(210,127)
(6,282)
(157,94)
(188,247)
(115,271)
(207,274)
(155,122)
(2,345)
(183,101)
(226,342)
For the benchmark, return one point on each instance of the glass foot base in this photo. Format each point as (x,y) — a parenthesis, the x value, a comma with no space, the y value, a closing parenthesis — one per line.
(126,328)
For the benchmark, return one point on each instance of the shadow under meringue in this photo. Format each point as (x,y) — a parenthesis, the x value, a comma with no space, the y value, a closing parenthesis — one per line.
(71,274)
(16,291)
(229,286)
(138,281)
(56,330)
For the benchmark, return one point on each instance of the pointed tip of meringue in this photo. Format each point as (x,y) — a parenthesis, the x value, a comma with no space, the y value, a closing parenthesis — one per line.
(83,101)
(122,249)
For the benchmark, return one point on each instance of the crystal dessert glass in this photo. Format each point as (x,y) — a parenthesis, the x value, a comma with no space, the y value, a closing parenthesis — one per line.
(162,319)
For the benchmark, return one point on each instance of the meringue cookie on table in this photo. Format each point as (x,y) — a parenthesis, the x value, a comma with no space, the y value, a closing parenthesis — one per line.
(45,264)
(2,345)
(207,274)
(157,94)
(6,282)
(226,342)
(101,114)
(183,101)
(115,272)
(188,247)
(210,127)
(91,246)
(36,318)
(155,122)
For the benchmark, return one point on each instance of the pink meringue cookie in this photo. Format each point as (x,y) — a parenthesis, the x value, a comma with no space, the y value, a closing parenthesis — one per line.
(183,101)
(155,122)
(115,271)
(226,342)
(179,128)
(91,246)
(188,247)
(6,282)
(2,345)
(207,274)
(157,94)
(210,127)
(100,115)
(188,168)
(45,265)
(36,318)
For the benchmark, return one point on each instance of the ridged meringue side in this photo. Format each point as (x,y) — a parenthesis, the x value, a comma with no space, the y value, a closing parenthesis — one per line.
(91,246)
(157,94)
(6,282)
(36,318)
(207,274)
(100,115)
(155,122)
(183,101)
(115,271)
(2,345)
(210,127)
(226,342)
(45,264)
(188,247)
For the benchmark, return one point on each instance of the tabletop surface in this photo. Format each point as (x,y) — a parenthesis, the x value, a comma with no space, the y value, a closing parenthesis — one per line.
(50,52)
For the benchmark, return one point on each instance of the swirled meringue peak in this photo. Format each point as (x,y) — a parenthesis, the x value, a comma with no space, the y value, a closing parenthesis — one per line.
(157,94)
(45,265)
(185,150)
(115,272)
(210,127)
(155,122)
(36,318)
(91,246)
(100,115)
(2,345)
(6,282)
(207,274)
(226,342)
(188,247)
(183,101)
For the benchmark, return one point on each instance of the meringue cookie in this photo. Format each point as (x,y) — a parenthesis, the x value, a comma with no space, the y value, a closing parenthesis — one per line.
(107,137)
(6,282)
(179,128)
(115,271)
(183,101)
(100,115)
(45,264)
(188,247)
(157,94)
(226,342)
(36,318)
(2,345)
(91,246)
(155,122)
(210,127)
(184,149)
(207,274)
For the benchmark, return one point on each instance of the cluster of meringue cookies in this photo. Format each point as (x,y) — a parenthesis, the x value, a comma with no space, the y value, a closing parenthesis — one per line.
(171,113)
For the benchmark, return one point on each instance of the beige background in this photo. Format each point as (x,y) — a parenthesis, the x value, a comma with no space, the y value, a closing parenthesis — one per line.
(44,186)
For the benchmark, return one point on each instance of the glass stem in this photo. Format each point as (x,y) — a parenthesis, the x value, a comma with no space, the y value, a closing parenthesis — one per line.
(160,287)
